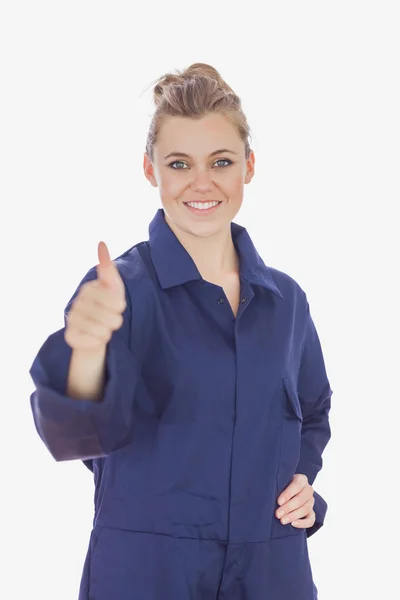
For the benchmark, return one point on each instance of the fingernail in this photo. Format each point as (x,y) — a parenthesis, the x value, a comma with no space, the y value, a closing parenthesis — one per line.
(281,501)
(279,513)
(284,520)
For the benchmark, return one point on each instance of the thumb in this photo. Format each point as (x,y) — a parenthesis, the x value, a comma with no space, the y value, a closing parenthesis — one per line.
(107,271)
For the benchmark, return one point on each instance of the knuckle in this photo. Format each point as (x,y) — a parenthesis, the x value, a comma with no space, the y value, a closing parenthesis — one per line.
(120,305)
(86,289)
(80,301)
(70,338)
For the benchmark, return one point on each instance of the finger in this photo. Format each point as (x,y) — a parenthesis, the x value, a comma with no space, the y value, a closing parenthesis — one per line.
(300,512)
(308,521)
(86,335)
(95,313)
(95,295)
(297,484)
(103,254)
(107,271)
(306,494)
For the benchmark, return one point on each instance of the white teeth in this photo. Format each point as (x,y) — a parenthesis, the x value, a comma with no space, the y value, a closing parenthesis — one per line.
(202,205)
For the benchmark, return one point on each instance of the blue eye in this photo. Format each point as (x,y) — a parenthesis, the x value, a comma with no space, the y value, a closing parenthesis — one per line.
(177,162)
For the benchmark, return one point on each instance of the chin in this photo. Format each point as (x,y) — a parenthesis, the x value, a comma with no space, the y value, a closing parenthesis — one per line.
(179,216)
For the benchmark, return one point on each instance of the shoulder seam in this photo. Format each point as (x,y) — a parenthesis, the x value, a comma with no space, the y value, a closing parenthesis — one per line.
(303,345)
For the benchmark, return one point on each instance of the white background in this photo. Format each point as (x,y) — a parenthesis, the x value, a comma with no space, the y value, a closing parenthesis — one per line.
(319,85)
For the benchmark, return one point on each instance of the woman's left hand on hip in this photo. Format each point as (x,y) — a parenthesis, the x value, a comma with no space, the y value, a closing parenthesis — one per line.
(296,503)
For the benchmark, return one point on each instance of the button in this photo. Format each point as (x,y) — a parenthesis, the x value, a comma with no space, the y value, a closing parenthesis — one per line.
(243,300)
(220,301)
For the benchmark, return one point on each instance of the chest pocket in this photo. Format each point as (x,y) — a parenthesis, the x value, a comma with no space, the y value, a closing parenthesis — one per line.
(289,455)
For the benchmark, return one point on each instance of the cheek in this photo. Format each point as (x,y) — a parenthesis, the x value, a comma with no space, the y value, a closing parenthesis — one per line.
(237,181)
(234,187)
(171,186)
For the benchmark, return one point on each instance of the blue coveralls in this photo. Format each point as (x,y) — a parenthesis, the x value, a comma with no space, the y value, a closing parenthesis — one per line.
(205,420)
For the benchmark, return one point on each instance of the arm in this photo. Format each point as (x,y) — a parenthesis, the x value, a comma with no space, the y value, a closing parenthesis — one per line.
(315,398)
(86,375)
(83,428)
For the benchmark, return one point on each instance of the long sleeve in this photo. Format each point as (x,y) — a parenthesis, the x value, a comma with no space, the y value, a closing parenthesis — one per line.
(320,508)
(84,429)
(315,398)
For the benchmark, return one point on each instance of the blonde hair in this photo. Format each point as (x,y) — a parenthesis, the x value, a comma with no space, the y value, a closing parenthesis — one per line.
(195,92)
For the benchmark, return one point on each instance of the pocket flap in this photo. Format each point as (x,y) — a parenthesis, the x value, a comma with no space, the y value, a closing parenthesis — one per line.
(293,397)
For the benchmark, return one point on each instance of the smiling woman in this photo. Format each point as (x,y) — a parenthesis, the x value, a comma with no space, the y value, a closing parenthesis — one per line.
(199,121)
(205,402)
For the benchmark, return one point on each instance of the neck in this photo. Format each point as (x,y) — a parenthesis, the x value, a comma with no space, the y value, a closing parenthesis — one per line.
(215,256)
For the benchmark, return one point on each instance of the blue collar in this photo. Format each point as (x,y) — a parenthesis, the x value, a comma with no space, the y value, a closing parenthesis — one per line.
(175,266)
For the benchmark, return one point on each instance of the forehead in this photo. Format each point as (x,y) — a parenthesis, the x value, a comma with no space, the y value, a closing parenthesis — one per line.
(197,136)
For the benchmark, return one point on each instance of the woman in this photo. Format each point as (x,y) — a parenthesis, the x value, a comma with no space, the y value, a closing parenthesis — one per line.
(189,378)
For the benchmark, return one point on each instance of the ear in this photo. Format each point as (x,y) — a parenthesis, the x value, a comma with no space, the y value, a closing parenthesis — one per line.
(250,163)
(149,170)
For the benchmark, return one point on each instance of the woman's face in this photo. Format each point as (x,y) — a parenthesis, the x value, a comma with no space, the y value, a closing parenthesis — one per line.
(201,173)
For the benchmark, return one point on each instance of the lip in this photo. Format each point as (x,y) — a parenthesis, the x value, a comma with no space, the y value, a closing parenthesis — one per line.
(203,211)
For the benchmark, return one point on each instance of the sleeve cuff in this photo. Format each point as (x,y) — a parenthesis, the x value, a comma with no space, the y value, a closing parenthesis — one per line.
(320,508)
(83,429)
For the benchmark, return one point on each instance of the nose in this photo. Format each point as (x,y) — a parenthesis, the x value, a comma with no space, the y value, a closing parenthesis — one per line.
(202,181)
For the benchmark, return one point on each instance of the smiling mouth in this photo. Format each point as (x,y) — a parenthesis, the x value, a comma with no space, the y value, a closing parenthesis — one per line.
(203,204)
(202,207)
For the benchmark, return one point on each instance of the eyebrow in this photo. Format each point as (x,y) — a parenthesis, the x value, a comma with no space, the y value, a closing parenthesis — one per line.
(182,154)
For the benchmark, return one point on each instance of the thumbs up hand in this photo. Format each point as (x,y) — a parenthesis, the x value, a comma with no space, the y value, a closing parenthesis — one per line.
(107,272)
(97,309)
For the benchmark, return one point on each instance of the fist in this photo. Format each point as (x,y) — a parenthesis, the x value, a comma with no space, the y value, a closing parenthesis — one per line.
(97,309)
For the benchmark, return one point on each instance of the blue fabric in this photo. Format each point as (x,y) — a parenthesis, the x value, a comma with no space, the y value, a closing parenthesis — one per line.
(204,421)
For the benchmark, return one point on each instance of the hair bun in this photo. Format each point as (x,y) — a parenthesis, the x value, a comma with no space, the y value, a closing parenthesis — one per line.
(195,71)
(192,93)
(203,69)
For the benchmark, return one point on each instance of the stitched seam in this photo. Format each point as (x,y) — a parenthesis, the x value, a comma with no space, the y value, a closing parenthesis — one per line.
(303,345)
(178,537)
